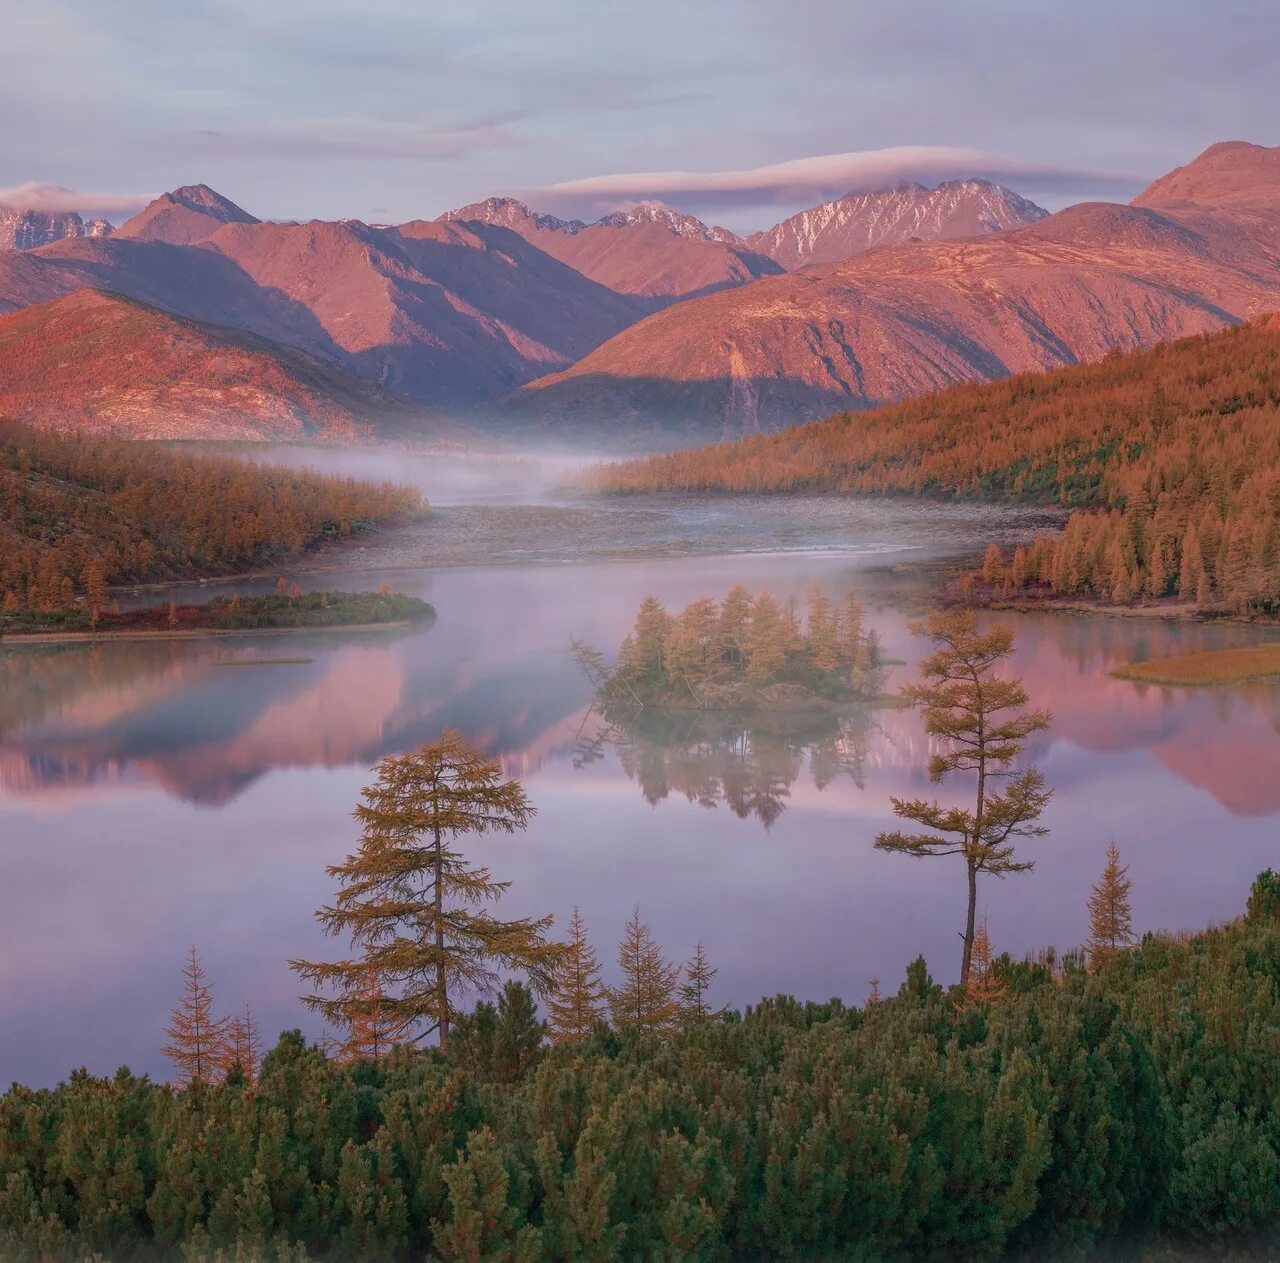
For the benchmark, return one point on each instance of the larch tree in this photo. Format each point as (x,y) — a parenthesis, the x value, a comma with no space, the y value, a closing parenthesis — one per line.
(645,657)
(698,975)
(1110,918)
(373,1026)
(646,1000)
(820,627)
(735,615)
(982,723)
(767,637)
(197,1040)
(413,907)
(982,985)
(96,596)
(689,651)
(243,1047)
(577,998)
(993,571)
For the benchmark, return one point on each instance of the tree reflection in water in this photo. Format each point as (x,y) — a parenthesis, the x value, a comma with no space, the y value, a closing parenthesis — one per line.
(748,761)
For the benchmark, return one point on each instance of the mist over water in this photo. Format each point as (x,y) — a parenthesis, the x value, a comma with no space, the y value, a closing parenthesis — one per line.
(152,796)
(445,477)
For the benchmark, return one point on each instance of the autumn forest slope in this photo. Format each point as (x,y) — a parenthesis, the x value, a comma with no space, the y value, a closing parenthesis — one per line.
(1174,452)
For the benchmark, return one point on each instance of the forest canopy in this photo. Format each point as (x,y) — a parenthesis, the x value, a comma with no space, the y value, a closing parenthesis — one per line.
(1173,452)
(78,511)
(746,651)
(1053,1112)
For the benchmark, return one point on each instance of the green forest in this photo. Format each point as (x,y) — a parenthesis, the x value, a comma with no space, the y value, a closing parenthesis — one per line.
(484,1094)
(1076,1111)
(79,512)
(1168,457)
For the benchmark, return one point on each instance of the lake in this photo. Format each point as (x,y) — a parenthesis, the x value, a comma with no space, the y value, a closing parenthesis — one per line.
(153,797)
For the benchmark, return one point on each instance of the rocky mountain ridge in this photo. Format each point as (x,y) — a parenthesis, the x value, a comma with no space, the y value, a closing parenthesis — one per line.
(1198,250)
(22,228)
(862,221)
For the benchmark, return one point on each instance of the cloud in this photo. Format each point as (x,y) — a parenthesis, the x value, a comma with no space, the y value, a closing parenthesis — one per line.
(823,177)
(53,199)
(325,139)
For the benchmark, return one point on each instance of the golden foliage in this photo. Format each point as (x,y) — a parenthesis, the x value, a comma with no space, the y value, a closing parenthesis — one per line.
(1174,450)
(101,510)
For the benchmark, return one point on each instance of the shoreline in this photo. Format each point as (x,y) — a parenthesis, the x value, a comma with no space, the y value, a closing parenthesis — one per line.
(1179,612)
(188,633)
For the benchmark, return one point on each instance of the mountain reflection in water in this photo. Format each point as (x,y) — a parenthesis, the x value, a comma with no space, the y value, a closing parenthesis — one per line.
(150,797)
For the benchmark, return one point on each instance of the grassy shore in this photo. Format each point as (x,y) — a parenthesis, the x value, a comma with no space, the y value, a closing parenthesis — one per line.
(1217,666)
(222,616)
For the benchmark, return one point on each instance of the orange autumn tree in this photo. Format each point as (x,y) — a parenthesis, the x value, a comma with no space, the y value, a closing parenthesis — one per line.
(981,723)
(577,999)
(413,907)
(1110,917)
(982,985)
(646,1000)
(243,1049)
(197,1040)
(373,1028)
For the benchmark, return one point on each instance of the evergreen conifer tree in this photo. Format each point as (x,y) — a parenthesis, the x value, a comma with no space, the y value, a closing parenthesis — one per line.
(486,1225)
(981,720)
(411,903)
(698,974)
(1110,918)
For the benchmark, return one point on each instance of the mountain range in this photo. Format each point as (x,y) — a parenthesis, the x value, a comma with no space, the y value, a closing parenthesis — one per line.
(1199,249)
(98,362)
(647,327)
(24,228)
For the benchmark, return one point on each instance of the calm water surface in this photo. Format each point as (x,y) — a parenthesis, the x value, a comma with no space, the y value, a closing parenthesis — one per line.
(152,796)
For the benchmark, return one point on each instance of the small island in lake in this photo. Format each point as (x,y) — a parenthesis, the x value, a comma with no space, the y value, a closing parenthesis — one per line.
(286,610)
(1214,666)
(749,652)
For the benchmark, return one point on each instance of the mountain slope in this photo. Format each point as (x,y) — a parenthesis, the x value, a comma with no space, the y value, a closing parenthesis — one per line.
(1056,437)
(440,312)
(187,215)
(908,319)
(100,363)
(649,251)
(861,221)
(1178,446)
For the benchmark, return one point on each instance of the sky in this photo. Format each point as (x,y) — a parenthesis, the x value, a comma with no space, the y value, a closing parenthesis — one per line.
(738,110)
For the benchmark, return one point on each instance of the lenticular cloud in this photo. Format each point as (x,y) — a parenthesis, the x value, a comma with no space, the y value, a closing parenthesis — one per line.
(825,176)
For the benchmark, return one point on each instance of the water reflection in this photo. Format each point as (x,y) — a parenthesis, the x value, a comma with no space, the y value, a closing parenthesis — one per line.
(170,713)
(747,762)
(150,796)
